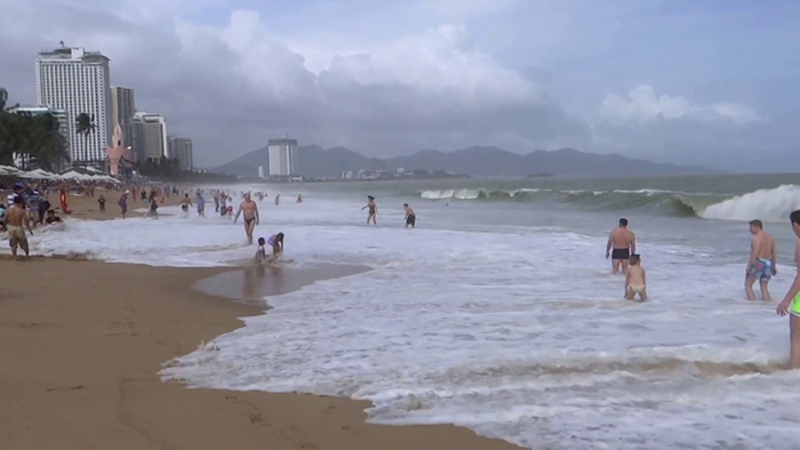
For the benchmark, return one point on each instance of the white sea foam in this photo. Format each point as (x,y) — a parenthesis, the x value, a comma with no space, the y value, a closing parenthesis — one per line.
(765,204)
(514,331)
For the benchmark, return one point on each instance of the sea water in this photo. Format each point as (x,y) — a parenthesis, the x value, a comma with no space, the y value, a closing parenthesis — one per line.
(499,314)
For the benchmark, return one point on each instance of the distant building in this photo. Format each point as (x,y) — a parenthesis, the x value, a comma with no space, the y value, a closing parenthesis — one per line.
(282,161)
(76,81)
(261,172)
(181,149)
(122,110)
(150,137)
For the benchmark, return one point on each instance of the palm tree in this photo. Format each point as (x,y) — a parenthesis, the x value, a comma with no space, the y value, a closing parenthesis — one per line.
(85,125)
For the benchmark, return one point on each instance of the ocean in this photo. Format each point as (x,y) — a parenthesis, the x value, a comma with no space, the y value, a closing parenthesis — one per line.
(498,312)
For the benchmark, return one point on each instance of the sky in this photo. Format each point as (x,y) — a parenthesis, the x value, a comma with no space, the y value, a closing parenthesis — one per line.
(714,83)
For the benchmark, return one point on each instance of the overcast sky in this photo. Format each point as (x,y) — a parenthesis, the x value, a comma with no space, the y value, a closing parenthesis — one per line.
(708,82)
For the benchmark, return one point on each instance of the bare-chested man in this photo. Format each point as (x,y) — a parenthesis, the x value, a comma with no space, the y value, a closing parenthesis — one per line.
(623,243)
(791,302)
(17,221)
(761,265)
(251,219)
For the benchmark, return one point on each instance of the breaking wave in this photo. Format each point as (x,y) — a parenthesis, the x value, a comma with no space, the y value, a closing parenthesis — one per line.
(765,204)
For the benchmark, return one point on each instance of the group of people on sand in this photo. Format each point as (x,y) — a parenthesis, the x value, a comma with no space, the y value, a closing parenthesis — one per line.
(761,267)
(26,208)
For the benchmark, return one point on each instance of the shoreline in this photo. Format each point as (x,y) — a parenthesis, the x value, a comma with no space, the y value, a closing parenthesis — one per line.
(85,342)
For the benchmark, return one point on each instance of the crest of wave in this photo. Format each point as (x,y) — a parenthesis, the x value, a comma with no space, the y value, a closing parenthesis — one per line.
(771,205)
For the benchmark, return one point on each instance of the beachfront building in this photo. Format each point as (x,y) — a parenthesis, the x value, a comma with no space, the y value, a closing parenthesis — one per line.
(282,162)
(181,149)
(122,110)
(149,137)
(76,81)
(261,172)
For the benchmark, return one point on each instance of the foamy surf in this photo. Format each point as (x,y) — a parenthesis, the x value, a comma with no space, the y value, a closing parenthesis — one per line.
(500,319)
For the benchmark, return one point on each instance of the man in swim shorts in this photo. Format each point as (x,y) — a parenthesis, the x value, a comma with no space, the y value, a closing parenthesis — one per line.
(411,216)
(17,221)
(791,302)
(623,242)
(761,265)
(251,219)
(186,203)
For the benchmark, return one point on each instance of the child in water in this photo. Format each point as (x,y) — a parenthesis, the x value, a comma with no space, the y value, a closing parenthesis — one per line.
(261,253)
(636,279)
(276,241)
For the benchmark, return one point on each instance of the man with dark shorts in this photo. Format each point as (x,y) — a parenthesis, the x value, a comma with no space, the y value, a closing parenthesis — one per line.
(411,216)
(623,242)
(251,219)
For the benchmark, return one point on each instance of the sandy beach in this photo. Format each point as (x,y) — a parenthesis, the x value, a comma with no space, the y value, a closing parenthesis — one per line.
(83,343)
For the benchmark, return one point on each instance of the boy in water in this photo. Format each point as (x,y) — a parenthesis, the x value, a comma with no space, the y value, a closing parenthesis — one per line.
(636,280)
(261,253)
(411,217)
(791,302)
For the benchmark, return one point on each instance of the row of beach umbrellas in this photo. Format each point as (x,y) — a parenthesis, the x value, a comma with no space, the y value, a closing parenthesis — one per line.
(40,174)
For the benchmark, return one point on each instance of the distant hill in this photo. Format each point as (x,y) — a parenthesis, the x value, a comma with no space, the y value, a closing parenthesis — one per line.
(315,161)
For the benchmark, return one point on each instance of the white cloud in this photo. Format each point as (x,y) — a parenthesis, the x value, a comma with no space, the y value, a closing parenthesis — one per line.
(642,105)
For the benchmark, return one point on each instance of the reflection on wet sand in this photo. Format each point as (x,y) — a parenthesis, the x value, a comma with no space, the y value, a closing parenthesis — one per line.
(251,284)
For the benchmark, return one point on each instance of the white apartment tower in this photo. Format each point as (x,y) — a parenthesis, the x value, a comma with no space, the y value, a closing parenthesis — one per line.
(122,110)
(282,162)
(181,149)
(150,137)
(77,81)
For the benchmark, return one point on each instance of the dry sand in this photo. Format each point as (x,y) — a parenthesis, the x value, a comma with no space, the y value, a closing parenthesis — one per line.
(82,344)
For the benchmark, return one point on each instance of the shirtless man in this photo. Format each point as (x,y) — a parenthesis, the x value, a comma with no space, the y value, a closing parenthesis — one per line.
(251,219)
(791,302)
(761,265)
(16,219)
(186,203)
(624,244)
(372,209)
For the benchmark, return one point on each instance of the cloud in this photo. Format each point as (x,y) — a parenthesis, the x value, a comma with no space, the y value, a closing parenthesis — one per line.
(642,105)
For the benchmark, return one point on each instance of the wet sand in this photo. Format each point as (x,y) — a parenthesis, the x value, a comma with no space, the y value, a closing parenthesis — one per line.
(82,345)
(252,283)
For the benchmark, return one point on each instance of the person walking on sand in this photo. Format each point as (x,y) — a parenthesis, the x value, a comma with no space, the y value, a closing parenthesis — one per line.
(636,280)
(791,302)
(101,204)
(624,244)
(411,217)
(123,203)
(17,221)
(761,265)
(251,219)
(372,210)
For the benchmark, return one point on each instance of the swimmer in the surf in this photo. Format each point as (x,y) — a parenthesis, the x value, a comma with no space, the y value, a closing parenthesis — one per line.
(624,244)
(636,280)
(411,216)
(276,241)
(373,210)
(261,253)
(791,302)
(761,265)
(251,219)
(186,202)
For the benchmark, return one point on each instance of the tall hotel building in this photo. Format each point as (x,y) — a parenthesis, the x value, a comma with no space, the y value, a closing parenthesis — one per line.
(122,110)
(282,161)
(77,81)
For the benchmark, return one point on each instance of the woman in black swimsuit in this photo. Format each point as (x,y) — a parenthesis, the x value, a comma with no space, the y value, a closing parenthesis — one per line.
(373,210)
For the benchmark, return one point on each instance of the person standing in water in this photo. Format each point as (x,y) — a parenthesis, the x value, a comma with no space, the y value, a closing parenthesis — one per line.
(411,217)
(276,241)
(201,204)
(636,280)
(791,302)
(186,202)
(251,219)
(624,244)
(372,209)
(299,198)
(277,199)
(17,221)
(761,266)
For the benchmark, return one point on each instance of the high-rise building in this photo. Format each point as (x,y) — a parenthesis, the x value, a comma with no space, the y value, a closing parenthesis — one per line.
(150,137)
(77,81)
(122,111)
(282,161)
(181,149)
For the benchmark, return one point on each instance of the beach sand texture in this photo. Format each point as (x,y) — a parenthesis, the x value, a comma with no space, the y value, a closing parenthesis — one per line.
(82,345)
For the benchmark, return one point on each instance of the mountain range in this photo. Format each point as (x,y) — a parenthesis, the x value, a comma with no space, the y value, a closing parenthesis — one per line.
(315,161)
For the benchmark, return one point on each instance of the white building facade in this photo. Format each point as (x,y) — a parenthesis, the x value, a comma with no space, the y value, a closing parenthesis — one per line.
(181,149)
(282,162)
(150,137)
(77,81)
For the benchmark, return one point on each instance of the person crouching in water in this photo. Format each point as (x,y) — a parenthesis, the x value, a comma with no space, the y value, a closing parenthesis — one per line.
(276,241)
(636,280)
